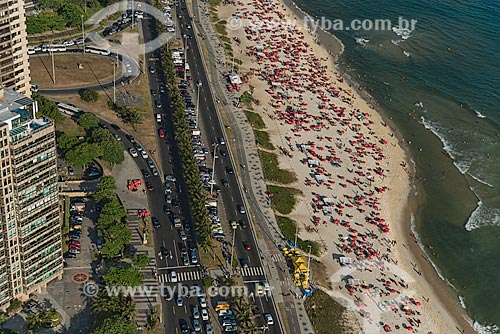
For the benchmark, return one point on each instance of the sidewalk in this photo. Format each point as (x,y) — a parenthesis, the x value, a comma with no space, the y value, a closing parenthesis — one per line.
(133,201)
(252,178)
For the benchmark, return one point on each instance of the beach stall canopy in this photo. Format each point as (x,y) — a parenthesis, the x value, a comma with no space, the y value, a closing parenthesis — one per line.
(235,79)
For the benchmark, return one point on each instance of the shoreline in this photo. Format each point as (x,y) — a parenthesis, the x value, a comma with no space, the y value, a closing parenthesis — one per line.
(447,294)
(458,313)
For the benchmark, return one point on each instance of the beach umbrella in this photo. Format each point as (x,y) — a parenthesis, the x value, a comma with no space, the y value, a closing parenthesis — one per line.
(409,328)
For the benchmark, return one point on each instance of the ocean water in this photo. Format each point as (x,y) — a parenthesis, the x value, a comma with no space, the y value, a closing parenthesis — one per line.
(440,83)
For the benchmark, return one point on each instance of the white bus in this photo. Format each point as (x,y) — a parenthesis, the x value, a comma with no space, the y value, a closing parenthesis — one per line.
(53,48)
(69,109)
(97,50)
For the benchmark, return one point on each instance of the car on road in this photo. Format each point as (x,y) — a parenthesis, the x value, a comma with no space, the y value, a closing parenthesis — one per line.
(196,312)
(223,152)
(225,182)
(167,209)
(185,259)
(133,152)
(204,314)
(145,173)
(153,92)
(183,325)
(117,137)
(233,224)
(182,235)
(260,290)
(268,318)
(130,138)
(203,302)
(209,329)
(175,203)
(161,133)
(116,127)
(158,104)
(221,141)
(188,25)
(155,222)
(168,188)
(151,69)
(173,277)
(168,199)
(154,171)
(183,248)
(244,262)
(144,154)
(194,257)
(166,294)
(149,186)
(243,223)
(170,178)
(241,209)
(179,15)
(229,170)
(162,89)
(247,245)
(196,325)
(71,171)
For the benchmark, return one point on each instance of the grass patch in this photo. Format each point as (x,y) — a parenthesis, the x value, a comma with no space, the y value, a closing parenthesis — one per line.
(247,99)
(228,47)
(214,2)
(321,306)
(212,257)
(284,198)
(70,127)
(255,120)
(238,61)
(220,28)
(262,139)
(272,170)
(288,228)
(225,39)
(95,69)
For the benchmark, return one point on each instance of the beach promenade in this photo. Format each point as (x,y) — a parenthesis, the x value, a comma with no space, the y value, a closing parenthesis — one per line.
(350,168)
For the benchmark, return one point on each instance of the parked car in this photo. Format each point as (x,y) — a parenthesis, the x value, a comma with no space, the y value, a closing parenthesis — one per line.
(247,245)
(155,222)
(133,152)
(145,173)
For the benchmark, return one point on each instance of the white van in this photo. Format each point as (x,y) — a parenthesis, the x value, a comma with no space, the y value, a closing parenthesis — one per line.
(158,118)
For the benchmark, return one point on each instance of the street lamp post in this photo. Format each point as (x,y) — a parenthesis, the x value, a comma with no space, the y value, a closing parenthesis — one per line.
(53,63)
(83,35)
(232,250)
(213,169)
(198,84)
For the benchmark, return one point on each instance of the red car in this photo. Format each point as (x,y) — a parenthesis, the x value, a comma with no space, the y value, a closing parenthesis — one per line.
(74,246)
(247,245)
(162,133)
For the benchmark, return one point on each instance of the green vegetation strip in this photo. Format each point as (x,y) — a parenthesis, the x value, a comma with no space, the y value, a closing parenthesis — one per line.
(288,228)
(284,198)
(272,170)
(196,192)
(255,120)
(321,307)
(262,139)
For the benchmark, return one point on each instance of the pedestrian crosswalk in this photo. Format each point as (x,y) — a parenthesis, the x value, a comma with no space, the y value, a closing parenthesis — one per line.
(252,271)
(276,257)
(181,277)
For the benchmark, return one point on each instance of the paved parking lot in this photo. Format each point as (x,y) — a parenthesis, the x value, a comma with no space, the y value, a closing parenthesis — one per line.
(67,295)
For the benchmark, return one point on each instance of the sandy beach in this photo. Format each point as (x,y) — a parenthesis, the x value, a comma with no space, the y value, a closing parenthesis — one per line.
(350,166)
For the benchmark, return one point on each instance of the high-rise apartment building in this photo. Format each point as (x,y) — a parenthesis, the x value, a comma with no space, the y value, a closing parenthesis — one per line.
(30,229)
(14,62)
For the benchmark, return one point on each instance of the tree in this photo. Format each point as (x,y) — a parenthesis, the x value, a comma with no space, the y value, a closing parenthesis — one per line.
(123,276)
(133,117)
(100,135)
(67,142)
(113,305)
(113,152)
(116,237)
(89,95)
(112,212)
(105,189)
(88,121)
(140,260)
(83,154)
(48,108)
(116,325)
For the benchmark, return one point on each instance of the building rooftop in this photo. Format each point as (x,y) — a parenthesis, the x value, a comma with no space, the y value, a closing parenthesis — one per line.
(13,104)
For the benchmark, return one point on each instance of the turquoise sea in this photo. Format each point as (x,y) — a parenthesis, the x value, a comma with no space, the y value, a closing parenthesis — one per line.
(441,85)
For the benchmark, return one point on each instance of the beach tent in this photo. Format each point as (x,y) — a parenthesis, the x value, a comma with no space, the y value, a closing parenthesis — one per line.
(235,79)
(345,260)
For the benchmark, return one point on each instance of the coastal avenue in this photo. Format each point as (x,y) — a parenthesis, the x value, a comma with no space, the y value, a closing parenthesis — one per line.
(165,236)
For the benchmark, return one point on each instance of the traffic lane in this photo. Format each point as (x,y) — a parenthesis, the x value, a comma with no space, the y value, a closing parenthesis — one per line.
(213,131)
(264,304)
